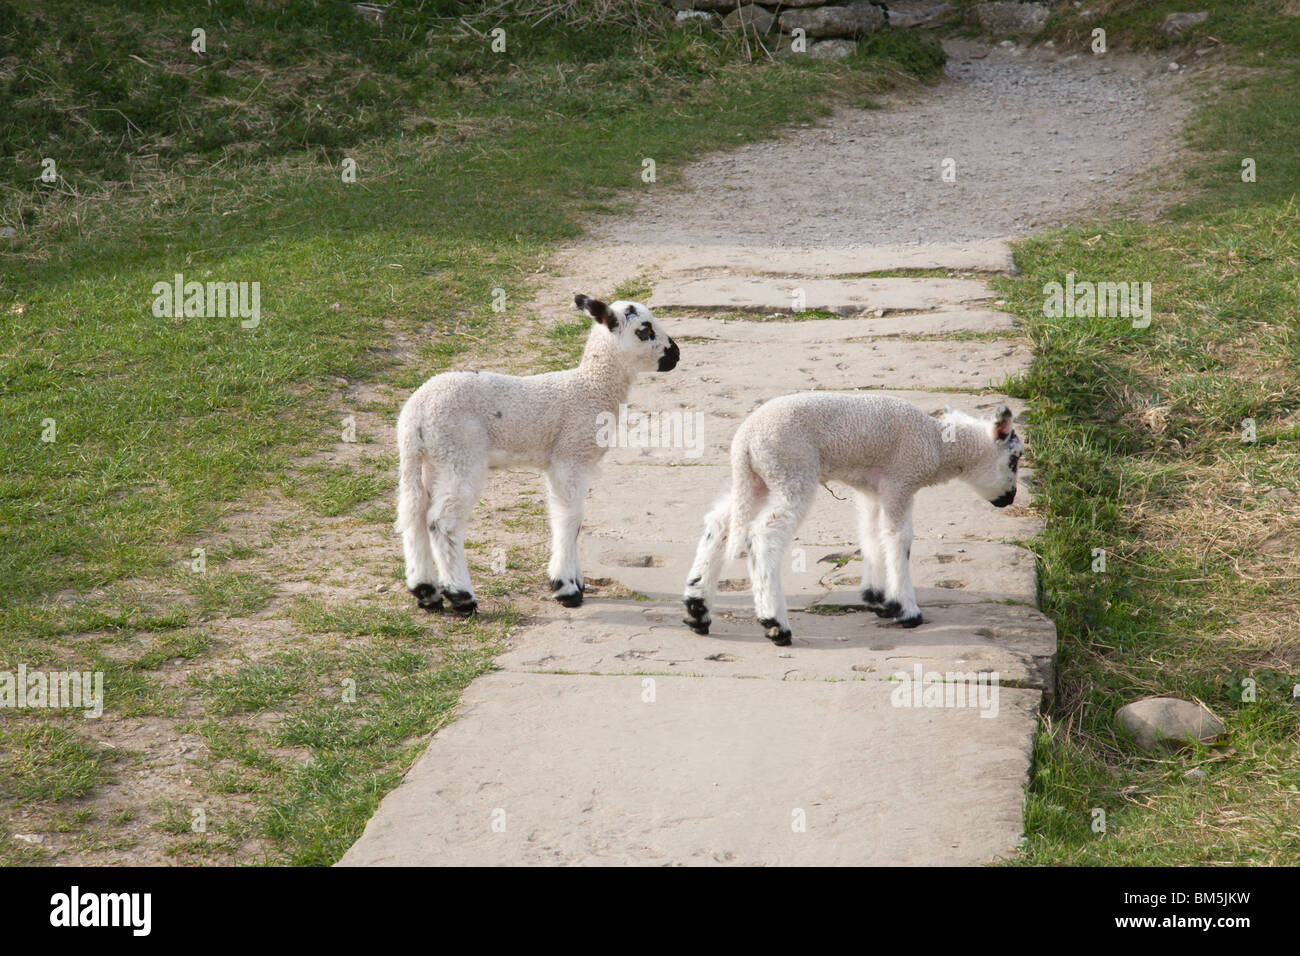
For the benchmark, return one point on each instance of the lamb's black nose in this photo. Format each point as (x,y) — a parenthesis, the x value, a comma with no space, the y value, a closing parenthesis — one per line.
(1004,500)
(668,360)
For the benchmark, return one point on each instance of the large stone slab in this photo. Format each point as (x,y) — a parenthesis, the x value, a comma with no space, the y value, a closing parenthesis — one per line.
(687,329)
(1015,642)
(988,255)
(583,770)
(841,296)
(943,572)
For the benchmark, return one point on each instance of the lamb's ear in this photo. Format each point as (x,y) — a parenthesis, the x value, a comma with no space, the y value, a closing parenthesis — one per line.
(598,311)
(1002,422)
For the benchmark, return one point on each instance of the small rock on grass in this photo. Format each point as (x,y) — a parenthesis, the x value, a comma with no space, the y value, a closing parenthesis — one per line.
(832,49)
(749,17)
(1156,723)
(1176,24)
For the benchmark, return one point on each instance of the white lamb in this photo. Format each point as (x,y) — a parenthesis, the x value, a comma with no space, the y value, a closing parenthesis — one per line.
(459,424)
(884,448)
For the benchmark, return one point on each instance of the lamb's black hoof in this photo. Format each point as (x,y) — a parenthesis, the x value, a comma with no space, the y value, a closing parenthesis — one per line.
(462,602)
(428,597)
(573,599)
(888,609)
(913,621)
(699,619)
(873,598)
(778,635)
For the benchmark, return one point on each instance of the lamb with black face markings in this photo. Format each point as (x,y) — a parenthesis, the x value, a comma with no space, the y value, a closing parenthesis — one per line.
(458,425)
(885,449)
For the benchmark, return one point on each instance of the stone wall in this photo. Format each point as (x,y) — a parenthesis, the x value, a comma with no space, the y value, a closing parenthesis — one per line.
(818,27)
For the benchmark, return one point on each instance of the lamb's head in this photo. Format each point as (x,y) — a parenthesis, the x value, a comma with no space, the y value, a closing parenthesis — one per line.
(992,458)
(641,342)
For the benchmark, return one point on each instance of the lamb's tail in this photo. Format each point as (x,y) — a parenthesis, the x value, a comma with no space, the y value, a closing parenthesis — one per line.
(414,493)
(747,494)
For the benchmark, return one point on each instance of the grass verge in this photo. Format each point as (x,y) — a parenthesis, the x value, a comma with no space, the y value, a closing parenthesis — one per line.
(1171,450)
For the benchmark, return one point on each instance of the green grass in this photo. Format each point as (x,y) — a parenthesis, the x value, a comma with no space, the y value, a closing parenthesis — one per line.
(39,762)
(1270,27)
(1137,446)
(471,168)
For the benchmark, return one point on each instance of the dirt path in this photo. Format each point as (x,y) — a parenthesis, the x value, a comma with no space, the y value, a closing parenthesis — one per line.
(615,735)
(1036,138)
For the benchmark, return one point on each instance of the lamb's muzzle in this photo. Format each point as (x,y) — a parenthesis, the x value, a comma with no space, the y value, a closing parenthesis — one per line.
(668,361)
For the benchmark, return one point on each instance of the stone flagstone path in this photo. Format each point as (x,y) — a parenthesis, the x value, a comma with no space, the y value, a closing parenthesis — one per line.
(614,735)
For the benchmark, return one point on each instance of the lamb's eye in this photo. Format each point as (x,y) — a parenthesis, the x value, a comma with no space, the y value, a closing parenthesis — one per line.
(646,333)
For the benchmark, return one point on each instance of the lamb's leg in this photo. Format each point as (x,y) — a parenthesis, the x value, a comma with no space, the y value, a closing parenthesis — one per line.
(896,547)
(873,572)
(454,496)
(412,517)
(566,486)
(769,542)
(709,556)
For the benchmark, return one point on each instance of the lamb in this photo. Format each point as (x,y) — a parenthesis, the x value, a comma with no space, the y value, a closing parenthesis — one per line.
(459,424)
(885,449)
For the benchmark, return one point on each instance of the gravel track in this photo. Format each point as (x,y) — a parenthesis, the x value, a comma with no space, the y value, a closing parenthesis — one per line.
(1036,136)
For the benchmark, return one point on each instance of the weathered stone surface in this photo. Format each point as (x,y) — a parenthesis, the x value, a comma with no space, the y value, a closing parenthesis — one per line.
(1176,24)
(842,642)
(834,49)
(851,20)
(953,570)
(841,296)
(944,571)
(750,17)
(582,770)
(982,255)
(769,329)
(1157,723)
(1005,19)
(847,366)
